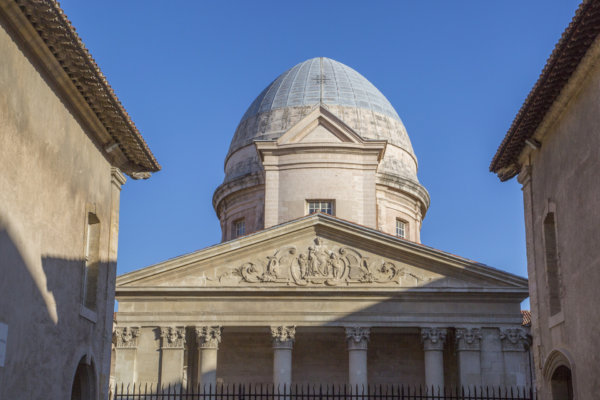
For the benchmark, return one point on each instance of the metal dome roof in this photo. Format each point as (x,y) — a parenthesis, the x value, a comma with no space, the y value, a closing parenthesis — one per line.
(321,81)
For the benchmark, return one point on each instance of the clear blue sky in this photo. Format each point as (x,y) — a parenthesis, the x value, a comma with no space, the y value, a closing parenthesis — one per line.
(457,72)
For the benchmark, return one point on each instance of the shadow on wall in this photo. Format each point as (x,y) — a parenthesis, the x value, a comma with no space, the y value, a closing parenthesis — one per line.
(38,305)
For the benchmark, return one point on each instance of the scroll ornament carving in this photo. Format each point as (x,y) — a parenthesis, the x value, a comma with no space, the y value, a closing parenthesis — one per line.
(283,336)
(357,337)
(208,337)
(321,265)
(433,338)
(172,337)
(126,337)
(468,339)
(514,339)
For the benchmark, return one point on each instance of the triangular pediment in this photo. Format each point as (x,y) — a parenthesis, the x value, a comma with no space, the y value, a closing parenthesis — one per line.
(321,253)
(320,126)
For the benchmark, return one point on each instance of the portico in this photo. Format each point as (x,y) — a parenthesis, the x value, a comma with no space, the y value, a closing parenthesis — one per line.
(245,313)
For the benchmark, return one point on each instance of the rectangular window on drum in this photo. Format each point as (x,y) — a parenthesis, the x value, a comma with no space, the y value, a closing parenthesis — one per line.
(239,227)
(323,206)
(401,229)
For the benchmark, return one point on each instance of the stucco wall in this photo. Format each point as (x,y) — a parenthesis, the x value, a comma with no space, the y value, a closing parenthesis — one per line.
(564,178)
(51,176)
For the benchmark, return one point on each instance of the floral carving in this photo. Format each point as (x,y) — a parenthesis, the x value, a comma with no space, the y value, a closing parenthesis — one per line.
(433,338)
(172,337)
(283,336)
(468,339)
(321,265)
(513,339)
(357,337)
(208,337)
(126,337)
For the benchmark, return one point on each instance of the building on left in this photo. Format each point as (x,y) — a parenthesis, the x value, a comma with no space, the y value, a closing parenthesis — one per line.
(66,144)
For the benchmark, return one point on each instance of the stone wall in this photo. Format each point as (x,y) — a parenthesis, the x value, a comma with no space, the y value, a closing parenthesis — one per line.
(52,175)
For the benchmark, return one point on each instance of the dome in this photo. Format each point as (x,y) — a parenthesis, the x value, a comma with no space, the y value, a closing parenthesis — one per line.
(345,92)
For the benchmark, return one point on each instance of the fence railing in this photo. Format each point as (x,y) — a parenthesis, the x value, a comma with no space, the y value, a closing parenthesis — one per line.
(316,392)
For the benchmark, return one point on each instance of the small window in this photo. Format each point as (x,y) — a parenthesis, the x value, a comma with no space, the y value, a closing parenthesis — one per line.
(323,206)
(92,261)
(401,228)
(239,228)
(553,274)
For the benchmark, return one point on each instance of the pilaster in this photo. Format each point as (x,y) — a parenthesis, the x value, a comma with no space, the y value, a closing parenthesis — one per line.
(468,348)
(126,343)
(208,339)
(172,342)
(433,340)
(515,344)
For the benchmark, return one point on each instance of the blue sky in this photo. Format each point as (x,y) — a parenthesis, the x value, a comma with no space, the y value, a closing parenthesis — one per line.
(457,72)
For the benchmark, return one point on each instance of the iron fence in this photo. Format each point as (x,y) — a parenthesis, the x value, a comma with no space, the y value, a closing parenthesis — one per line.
(316,392)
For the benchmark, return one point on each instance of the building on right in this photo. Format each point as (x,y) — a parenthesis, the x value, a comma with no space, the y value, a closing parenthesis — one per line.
(553,146)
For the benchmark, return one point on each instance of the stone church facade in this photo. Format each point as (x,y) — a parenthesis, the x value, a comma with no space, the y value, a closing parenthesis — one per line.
(321,276)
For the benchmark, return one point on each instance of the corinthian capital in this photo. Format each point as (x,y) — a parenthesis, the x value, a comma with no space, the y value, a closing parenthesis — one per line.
(433,338)
(283,336)
(172,337)
(208,337)
(357,337)
(126,337)
(468,339)
(513,339)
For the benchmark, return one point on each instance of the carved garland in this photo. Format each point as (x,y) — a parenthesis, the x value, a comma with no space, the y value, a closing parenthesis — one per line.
(321,265)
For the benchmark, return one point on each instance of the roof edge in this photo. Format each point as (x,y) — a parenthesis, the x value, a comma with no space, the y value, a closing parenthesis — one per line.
(55,31)
(564,60)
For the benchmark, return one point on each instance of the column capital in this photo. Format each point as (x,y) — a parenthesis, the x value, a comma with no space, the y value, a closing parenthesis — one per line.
(208,337)
(357,337)
(433,338)
(172,337)
(513,339)
(283,336)
(468,339)
(126,337)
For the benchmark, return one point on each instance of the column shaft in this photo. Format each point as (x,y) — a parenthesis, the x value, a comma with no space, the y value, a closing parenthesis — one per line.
(283,342)
(357,339)
(207,340)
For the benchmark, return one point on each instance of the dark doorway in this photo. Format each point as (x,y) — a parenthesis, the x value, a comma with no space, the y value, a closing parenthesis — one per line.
(562,385)
(84,383)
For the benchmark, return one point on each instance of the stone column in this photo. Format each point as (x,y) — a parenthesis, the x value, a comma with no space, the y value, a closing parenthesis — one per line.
(433,344)
(171,357)
(283,342)
(357,338)
(208,339)
(514,349)
(468,348)
(126,342)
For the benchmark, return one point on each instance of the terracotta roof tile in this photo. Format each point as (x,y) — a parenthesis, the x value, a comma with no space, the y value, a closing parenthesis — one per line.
(526,317)
(62,40)
(562,63)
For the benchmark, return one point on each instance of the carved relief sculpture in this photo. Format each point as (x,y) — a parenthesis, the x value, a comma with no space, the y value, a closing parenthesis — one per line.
(172,337)
(283,336)
(357,337)
(126,337)
(468,339)
(514,339)
(433,338)
(208,337)
(321,265)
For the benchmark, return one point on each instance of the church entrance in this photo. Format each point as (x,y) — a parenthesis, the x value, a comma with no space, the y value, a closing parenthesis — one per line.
(562,385)
(84,382)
